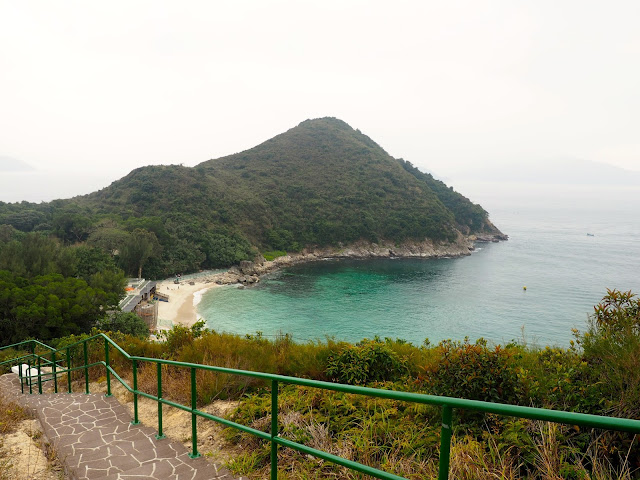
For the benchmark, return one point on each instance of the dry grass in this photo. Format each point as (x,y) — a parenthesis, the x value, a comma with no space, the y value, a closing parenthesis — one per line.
(23,452)
(471,459)
(552,459)
(11,415)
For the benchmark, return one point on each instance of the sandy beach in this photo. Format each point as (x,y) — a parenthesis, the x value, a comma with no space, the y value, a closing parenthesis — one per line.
(181,307)
(183,298)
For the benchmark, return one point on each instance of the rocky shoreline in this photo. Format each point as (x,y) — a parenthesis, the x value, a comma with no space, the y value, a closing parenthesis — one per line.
(182,307)
(248,273)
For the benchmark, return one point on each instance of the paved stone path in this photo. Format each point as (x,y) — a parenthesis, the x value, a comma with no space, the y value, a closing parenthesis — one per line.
(94,439)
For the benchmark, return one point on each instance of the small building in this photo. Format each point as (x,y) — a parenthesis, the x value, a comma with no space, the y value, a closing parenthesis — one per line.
(139,299)
(149,313)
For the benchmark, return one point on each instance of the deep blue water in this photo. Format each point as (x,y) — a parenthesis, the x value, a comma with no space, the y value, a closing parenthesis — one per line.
(565,271)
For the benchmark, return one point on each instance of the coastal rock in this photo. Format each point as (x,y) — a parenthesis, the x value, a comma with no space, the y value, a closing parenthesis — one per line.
(247,267)
(248,273)
(490,238)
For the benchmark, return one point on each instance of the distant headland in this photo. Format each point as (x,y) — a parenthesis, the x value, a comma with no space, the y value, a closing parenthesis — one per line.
(320,189)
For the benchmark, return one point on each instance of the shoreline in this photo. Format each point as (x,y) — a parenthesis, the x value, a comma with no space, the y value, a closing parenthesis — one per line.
(185,296)
(181,309)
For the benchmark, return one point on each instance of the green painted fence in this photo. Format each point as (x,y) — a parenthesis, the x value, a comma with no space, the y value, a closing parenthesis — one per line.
(57,357)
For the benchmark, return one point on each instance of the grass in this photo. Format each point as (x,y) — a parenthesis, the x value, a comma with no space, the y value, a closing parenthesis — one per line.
(270,256)
(11,415)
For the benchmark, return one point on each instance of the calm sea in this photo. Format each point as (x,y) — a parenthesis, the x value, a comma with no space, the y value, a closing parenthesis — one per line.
(565,271)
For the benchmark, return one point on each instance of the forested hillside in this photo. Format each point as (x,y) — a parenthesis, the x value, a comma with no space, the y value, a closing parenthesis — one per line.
(319,184)
(48,290)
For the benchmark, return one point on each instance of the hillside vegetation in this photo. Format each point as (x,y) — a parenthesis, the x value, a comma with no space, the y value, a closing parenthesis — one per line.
(598,374)
(319,184)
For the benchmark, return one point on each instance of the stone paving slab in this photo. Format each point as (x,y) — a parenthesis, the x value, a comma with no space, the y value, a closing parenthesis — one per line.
(94,439)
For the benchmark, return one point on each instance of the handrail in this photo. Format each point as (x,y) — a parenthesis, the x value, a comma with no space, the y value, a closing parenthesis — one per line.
(447,403)
(27,341)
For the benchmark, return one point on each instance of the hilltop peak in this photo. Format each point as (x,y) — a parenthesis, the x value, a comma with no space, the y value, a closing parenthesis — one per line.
(326,122)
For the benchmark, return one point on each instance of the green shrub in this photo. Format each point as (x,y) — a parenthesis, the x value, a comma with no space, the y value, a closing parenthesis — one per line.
(474,371)
(555,378)
(366,362)
(125,322)
(611,349)
(8,354)
(180,336)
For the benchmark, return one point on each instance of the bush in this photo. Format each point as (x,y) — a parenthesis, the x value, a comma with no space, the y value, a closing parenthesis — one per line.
(180,336)
(366,362)
(473,371)
(555,378)
(127,323)
(611,349)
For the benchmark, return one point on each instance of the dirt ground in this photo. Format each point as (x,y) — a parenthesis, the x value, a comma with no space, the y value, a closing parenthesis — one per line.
(25,454)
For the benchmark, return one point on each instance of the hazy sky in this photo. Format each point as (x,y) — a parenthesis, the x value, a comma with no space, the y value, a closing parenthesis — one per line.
(92,90)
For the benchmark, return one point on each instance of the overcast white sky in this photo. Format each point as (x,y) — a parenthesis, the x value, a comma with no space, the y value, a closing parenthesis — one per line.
(92,90)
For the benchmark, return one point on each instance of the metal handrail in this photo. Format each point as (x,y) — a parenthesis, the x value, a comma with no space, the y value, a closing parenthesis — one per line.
(34,342)
(447,404)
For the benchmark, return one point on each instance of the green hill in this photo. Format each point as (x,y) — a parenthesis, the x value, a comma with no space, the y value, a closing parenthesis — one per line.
(318,184)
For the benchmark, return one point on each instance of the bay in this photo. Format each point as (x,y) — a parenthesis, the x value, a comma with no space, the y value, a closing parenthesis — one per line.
(565,272)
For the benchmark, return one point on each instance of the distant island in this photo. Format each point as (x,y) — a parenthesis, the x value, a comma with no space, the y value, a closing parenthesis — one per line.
(319,187)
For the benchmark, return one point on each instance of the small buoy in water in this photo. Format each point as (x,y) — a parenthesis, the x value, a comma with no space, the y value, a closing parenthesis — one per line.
(524,288)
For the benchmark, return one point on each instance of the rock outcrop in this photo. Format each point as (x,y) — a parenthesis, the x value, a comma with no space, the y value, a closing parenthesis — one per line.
(248,273)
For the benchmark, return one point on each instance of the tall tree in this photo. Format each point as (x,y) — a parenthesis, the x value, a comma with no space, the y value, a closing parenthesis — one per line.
(139,247)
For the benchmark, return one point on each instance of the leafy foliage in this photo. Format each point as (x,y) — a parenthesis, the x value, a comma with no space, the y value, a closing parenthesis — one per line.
(474,371)
(470,217)
(48,290)
(48,306)
(124,322)
(366,362)
(139,247)
(34,254)
(611,347)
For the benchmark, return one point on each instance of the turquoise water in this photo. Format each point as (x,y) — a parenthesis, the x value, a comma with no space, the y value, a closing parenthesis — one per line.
(565,271)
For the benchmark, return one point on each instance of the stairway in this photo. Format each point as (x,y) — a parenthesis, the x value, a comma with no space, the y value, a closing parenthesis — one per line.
(93,438)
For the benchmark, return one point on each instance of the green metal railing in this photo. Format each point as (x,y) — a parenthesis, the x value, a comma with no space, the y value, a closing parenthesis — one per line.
(448,404)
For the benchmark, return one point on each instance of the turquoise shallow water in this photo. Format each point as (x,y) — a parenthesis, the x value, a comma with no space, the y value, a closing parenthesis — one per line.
(565,271)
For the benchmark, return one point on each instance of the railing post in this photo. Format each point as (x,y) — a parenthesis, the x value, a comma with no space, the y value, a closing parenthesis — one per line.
(136,421)
(68,370)
(39,375)
(160,435)
(29,377)
(194,418)
(106,361)
(55,375)
(445,443)
(274,429)
(21,377)
(86,368)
